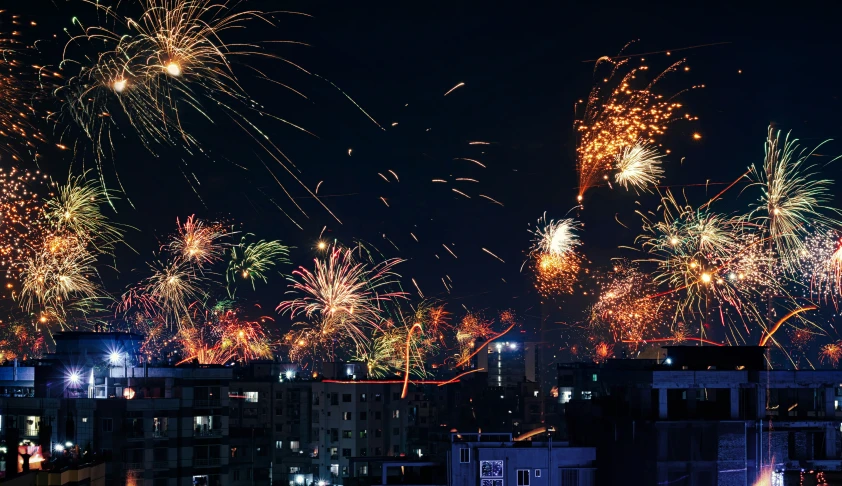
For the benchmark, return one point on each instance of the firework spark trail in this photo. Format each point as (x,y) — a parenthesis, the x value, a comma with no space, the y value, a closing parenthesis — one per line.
(156,67)
(486,343)
(619,118)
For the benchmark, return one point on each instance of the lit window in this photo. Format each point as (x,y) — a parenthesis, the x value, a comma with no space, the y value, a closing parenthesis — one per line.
(334,470)
(251,397)
(396,414)
(294,445)
(535,393)
(537,473)
(294,469)
(279,444)
(84,420)
(593,377)
(586,395)
(347,415)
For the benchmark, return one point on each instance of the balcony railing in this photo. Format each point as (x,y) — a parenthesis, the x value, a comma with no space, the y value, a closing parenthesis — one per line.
(160,434)
(207,433)
(207,403)
(210,461)
(29,431)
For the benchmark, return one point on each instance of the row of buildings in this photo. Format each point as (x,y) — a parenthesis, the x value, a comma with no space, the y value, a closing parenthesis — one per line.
(94,413)
(96,401)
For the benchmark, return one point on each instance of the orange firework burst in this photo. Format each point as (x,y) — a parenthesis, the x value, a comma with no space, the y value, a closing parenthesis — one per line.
(831,353)
(619,115)
(198,242)
(624,306)
(556,274)
(602,352)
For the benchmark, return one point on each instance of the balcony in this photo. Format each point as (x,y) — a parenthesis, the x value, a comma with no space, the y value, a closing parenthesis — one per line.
(207,403)
(206,462)
(160,434)
(207,433)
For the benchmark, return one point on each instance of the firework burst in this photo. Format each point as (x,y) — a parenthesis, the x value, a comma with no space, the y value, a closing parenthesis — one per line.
(198,242)
(618,115)
(638,166)
(340,287)
(793,199)
(253,261)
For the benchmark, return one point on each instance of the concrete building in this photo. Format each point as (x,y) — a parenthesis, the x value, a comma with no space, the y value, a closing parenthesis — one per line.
(509,363)
(705,415)
(153,426)
(496,460)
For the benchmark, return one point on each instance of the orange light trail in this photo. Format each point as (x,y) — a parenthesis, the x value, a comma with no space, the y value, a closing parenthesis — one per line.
(415,326)
(455,379)
(663,340)
(468,358)
(386,382)
(783,319)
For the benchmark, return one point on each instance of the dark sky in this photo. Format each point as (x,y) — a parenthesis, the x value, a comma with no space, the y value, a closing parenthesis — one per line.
(524,67)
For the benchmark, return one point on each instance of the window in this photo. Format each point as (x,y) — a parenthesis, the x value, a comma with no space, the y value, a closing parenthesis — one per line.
(464,455)
(334,470)
(523,476)
(294,445)
(334,399)
(586,395)
(363,415)
(279,395)
(159,427)
(593,377)
(347,415)
(378,451)
(363,434)
(363,397)
(251,397)
(396,431)
(334,453)
(280,411)
(378,415)
(363,452)
(378,433)
(294,469)
(107,425)
(535,393)
(84,420)
(346,397)
(346,452)
(279,444)
(378,397)
(315,400)
(537,473)
(346,434)
(334,435)
(396,414)
(344,470)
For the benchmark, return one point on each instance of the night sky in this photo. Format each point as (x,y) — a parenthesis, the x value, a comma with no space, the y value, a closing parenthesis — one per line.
(524,66)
